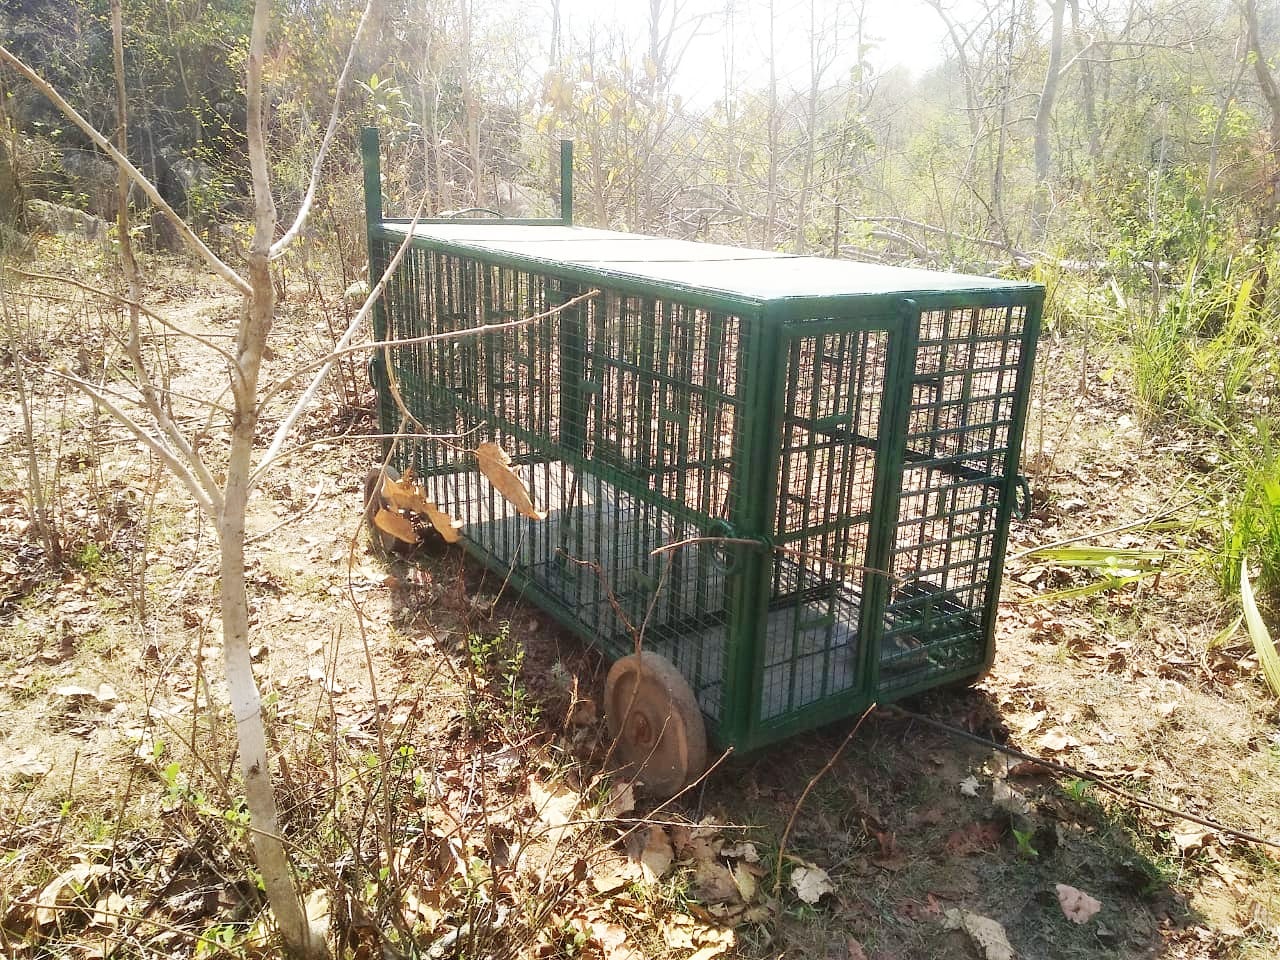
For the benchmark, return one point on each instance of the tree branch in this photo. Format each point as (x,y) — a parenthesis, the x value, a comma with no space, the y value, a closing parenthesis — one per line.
(210,501)
(304,210)
(326,363)
(124,301)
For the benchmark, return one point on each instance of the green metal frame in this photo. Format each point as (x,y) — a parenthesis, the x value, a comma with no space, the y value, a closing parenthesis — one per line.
(868,443)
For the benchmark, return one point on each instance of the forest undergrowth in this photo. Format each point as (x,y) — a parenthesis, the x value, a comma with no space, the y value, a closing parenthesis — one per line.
(443,765)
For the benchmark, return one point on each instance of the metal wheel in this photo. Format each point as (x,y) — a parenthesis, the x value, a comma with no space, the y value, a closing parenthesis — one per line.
(654,718)
(374,500)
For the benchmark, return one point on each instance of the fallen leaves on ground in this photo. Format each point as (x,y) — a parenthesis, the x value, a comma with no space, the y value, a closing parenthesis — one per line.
(974,838)
(987,934)
(811,883)
(25,764)
(75,883)
(1058,740)
(1009,799)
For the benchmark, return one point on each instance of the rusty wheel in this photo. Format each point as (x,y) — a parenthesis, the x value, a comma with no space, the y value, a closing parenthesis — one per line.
(374,501)
(653,715)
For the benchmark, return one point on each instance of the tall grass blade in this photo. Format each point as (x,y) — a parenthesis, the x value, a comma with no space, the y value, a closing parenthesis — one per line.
(1259,633)
(1243,305)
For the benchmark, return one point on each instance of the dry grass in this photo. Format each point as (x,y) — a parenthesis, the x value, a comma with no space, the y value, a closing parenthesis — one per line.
(434,735)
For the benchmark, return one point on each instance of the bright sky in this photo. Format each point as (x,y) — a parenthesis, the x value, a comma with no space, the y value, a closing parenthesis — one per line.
(902,32)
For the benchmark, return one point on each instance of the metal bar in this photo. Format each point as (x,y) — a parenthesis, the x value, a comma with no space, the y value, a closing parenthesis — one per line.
(882,533)
(566,182)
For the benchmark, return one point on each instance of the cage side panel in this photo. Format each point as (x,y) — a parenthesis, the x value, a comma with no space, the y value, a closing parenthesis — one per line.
(833,393)
(620,415)
(963,399)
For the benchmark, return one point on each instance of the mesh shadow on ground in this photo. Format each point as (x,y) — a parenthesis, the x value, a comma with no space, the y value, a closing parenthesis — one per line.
(889,822)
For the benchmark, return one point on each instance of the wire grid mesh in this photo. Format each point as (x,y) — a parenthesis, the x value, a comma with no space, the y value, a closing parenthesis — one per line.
(963,399)
(834,385)
(621,416)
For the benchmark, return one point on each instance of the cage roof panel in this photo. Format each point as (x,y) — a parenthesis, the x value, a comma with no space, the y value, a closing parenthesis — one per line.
(736,271)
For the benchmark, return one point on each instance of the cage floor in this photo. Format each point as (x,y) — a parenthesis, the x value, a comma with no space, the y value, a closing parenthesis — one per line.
(592,553)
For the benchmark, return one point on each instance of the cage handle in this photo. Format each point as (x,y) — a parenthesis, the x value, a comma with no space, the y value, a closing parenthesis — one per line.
(1022,501)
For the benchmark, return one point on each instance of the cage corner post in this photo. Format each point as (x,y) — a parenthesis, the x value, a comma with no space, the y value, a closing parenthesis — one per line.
(371,161)
(1013,457)
(566,182)
(895,412)
(757,479)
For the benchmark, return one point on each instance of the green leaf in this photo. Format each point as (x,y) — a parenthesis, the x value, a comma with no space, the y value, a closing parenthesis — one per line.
(1088,589)
(1103,557)
(1259,633)
(1225,634)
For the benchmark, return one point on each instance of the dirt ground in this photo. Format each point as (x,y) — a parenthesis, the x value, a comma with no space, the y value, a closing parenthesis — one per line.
(120,834)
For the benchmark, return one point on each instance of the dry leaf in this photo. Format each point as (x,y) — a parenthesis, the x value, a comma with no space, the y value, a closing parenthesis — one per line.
(1009,799)
(622,799)
(811,883)
(398,526)
(969,786)
(613,941)
(105,694)
(404,494)
(1057,740)
(317,910)
(1077,905)
(1029,723)
(854,950)
(678,931)
(445,525)
(496,465)
(745,877)
(555,805)
(714,942)
(64,889)
(712,882)
(711,951)
(656,856)
(407,494)
(25,763)
(109,911)
(613,874)
(982,835)
(418,911)
(741,851)
(987,935)
(1191,840)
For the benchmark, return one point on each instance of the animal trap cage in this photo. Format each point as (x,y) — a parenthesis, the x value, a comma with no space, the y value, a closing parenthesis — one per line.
(792,476)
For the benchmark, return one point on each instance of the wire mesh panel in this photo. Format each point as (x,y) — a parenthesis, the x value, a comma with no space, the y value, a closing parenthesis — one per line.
(964,394)
(621,416)
(834,389)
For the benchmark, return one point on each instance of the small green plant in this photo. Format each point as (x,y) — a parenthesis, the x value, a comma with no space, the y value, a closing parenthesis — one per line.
(1076,789)
(1252,516)
(89,557)
(221,940)
(1025,849)
(497,662)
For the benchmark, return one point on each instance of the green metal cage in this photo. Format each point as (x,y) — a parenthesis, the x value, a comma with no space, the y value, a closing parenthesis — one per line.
(839,440)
